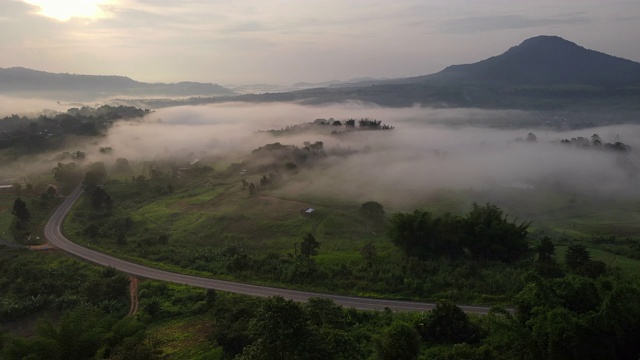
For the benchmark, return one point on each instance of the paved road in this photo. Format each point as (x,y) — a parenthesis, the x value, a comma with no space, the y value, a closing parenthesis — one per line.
(54,234)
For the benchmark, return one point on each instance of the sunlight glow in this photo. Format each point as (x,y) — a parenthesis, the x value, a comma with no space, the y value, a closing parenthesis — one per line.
(64,10)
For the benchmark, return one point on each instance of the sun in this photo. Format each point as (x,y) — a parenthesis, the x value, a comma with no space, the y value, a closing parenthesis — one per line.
(64,10)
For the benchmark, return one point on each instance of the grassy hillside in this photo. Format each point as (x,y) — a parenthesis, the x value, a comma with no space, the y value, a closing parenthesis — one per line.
(205,221)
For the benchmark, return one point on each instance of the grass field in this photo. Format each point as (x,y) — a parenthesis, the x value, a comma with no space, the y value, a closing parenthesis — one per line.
(185,338)
(627,265)
(566,213)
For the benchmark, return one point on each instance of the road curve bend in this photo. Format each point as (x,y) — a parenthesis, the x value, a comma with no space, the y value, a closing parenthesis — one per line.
(53,232)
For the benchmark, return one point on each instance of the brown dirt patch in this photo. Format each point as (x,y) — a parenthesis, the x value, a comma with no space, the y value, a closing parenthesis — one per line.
(133,293)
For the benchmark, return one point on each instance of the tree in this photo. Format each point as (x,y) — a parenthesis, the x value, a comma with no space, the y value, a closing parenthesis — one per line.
(545,249)
(325,313)
(421,235)
(620,318)
(100,200)
(400,341)
(369,252)
(122,165)
(281,329)
(67,174)
(99,169)
(576,256)
(555,335)
(448,324)
(531,137)
(309,246)
(264,181)
(90,182)
(372,210)
(21,213)
(79,155)
(51,191)
(592,269)
(489,235)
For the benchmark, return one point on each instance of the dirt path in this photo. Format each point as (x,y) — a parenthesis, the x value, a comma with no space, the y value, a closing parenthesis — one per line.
(133,292)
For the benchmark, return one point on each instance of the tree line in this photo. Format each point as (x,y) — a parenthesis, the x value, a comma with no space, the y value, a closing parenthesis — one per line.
(45,132)
(485,233)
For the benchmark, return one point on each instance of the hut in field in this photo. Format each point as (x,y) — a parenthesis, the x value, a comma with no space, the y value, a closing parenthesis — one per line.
(6,189)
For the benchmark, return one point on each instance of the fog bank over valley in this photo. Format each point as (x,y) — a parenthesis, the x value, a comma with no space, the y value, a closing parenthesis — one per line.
(10,105)
(400,168)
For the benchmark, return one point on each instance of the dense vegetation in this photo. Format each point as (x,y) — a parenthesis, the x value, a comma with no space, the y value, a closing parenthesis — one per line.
(227,223)
(565,297)
(235,229)
(47,132)
(23,215)
(483,234)
(83,314)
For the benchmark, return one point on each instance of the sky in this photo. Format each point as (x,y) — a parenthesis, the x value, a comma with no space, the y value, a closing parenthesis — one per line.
(287,41)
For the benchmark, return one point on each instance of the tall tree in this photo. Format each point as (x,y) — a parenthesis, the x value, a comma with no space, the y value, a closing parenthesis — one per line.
(488,234)
(100,200)
(421,235)
(400,341)
(373,210)
(369,252)
(21,213)
(545,249)
(309,246)
(90,182)
(281,329)
(576,256)
(448,324)
(122,165)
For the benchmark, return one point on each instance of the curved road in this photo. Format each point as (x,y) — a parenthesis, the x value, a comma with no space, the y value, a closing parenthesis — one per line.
(54,234)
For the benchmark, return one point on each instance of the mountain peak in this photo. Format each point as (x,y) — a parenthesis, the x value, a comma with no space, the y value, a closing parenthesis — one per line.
(546,40)
(547,60)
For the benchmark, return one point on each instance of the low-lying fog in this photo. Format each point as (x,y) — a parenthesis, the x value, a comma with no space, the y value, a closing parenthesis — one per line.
(394,167)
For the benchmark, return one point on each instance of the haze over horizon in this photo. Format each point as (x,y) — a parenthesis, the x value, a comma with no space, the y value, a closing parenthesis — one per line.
(284,42)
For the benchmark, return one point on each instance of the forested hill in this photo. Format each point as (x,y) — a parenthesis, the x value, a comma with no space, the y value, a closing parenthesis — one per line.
(19,80)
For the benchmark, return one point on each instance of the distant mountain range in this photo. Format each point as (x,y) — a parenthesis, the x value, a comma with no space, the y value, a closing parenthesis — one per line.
(541,60)
(23,81)
(262,88)
(544,72)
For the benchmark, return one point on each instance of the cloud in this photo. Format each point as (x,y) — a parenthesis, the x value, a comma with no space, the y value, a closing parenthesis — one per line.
(284,42)
(429,152)
(22,106)
(475,24)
